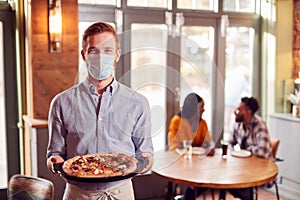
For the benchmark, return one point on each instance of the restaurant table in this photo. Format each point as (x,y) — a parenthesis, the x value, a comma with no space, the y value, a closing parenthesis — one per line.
(214,171)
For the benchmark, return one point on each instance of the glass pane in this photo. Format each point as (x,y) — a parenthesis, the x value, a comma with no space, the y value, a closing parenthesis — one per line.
(100,2)
(239,5)
(196,4)
(196,66)
(148,3)
(238,70)
(3,153)
(149,56)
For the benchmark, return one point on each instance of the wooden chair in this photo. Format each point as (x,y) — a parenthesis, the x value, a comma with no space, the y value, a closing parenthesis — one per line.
(275,144)
(21,187)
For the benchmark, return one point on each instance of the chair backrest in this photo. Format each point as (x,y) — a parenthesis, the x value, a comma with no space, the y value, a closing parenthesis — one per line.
(29,188)
(275,143)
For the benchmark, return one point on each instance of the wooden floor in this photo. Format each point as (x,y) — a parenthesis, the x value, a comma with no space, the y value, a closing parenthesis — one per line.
(262,195)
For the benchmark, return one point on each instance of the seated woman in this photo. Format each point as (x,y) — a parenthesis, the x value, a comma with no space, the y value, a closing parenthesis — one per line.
(189,125)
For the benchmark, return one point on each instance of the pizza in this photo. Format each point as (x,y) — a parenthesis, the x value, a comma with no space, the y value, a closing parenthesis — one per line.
(100,165)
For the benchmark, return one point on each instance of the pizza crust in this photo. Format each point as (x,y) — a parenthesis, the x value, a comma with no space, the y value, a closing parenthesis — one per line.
(100,165)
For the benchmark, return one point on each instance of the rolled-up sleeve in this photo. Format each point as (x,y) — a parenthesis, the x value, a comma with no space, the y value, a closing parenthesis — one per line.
(57,132)
(142,130)
(263,147)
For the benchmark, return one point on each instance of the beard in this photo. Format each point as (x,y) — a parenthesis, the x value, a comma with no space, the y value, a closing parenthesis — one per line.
(239,118)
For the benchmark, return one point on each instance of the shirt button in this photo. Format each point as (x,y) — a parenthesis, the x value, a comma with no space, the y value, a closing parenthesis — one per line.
(100,118)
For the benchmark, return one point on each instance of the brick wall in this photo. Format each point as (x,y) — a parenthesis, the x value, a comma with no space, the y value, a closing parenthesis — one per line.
(296,39)
(49,73)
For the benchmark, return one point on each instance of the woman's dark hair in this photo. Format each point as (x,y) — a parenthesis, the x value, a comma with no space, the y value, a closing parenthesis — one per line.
(190,105)
(251,103)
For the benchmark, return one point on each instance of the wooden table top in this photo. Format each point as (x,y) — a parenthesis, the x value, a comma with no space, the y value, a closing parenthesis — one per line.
(214,171)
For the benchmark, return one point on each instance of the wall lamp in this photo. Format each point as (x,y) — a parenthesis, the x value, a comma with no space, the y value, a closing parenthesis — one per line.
(55,26)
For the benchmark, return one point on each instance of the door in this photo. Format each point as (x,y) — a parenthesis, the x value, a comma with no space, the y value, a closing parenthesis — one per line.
(9,138)
(169,65)
(241,77)
(172,49)
(146,66)
(198,68)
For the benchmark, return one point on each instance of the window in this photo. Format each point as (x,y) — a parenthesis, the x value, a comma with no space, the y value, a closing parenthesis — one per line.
(99,2)
(197,4)
(148,3)
(150,57)
(239,6)
(189,48)
(238,69)
(196,64)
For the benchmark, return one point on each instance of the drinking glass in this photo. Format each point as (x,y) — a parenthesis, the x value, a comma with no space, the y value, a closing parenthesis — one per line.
(224,144)
(187,144)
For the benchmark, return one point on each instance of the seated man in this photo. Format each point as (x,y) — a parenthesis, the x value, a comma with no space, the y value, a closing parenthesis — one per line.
(250,133)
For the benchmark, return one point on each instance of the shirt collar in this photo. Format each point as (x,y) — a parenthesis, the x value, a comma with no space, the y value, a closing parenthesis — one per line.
(251,123)
(253,120)
(91,88)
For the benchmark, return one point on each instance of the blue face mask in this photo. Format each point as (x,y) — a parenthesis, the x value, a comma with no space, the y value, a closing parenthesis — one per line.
(100,66)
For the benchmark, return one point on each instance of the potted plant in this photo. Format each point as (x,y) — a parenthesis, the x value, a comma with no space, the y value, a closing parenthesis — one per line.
(295,100)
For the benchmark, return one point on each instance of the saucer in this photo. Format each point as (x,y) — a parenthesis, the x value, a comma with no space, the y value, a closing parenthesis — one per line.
(241,153)
(198,150)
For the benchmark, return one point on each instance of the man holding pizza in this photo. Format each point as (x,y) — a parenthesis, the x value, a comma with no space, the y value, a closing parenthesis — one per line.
(99,115)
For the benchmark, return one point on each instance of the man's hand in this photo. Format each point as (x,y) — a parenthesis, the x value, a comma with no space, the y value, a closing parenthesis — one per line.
(149,166)
(54,160)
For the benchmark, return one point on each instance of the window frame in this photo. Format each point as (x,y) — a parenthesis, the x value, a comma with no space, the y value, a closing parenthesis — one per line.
(7,17)
(157,15)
